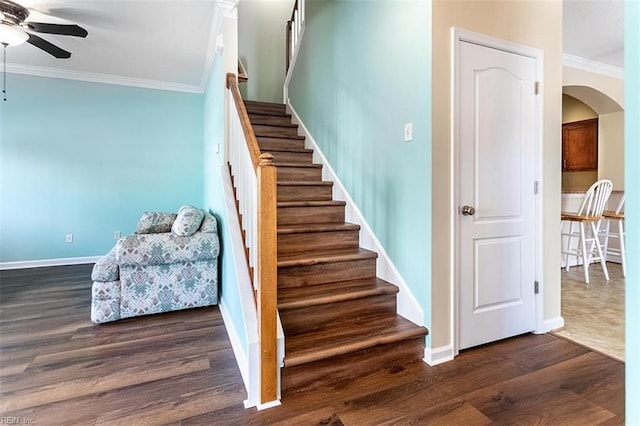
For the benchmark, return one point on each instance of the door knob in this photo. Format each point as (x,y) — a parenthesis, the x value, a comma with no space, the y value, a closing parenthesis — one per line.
(467,210)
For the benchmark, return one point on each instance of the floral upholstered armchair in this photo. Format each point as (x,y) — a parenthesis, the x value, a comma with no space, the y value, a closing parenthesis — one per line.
(170,263)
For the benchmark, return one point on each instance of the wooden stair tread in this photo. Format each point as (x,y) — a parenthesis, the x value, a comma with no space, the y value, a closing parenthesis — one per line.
(322,344)
(316,227)
(309,258)
(339,291)
(259,106)
(263,103)
(305,183)
(268,113)
(291,149)
(288,126)
(311,203)
(287,137)
(304,165)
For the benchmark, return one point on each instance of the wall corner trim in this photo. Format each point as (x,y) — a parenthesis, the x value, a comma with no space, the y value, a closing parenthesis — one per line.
(439,355)
(550,325)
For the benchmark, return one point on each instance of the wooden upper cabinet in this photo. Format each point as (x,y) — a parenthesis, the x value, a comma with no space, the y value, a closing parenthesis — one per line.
(580,146)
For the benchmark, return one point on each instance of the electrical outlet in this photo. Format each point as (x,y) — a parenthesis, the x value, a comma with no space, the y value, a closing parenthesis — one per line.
(68,238)
(408,132)
(116,235)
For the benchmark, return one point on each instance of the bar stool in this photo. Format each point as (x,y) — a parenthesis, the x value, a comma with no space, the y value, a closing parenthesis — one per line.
(590,212)
(615,216)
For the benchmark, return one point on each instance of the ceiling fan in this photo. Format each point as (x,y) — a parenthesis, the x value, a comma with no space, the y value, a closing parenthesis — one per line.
(14,30)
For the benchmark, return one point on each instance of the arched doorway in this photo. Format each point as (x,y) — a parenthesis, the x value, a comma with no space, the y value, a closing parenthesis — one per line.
(594,314)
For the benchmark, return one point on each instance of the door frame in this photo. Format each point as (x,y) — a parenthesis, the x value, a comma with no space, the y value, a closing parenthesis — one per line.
(458,36)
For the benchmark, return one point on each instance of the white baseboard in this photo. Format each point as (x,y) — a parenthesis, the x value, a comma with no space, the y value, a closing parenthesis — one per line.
(439,355)
(550,325)
(268,405)
(408,306)
(25,264)
(613,258)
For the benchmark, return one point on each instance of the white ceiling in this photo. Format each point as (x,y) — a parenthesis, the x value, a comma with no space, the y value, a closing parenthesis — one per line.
(150,43)
(169,43)
(594,30)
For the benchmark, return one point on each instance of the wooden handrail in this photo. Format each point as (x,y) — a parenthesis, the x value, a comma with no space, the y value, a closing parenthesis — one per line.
(243,76)
(293,12)
(256,191)
(288,45)
(252,142)
(292,33)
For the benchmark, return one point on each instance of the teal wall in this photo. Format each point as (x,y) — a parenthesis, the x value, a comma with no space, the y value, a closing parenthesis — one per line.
(632,218)
(88,159)
(364,71)
(214,197)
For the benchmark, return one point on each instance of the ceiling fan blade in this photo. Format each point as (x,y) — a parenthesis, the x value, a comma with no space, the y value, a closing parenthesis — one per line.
(62,29)
(48,47)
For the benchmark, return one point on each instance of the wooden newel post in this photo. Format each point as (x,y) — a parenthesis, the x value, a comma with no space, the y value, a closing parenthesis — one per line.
(267,277)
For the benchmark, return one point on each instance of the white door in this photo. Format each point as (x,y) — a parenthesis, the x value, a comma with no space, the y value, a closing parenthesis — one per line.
(496,137)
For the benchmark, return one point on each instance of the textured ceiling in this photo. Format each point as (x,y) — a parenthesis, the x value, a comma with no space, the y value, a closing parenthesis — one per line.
(169,43)
(136,41)
(594,30)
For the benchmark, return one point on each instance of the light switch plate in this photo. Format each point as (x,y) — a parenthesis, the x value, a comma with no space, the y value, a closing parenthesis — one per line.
(408,132)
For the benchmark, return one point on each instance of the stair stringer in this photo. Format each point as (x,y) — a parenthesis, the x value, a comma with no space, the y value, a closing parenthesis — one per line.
(407,305)
(247,350)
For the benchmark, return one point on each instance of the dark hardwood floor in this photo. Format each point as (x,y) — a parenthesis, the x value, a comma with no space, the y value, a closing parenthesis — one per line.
(56,368)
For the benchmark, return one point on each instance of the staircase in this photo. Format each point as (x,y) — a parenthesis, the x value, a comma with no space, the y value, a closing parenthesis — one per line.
(339,319)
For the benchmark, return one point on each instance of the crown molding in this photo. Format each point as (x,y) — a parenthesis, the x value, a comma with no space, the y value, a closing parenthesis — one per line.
(103,78)
(227,7)
(573,61)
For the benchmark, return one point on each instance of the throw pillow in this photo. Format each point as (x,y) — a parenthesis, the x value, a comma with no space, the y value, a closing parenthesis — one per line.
(188,221)
(155,222)
(209,223)
(185,207)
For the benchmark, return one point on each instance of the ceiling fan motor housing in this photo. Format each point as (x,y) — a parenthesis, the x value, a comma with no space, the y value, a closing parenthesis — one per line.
(13,13)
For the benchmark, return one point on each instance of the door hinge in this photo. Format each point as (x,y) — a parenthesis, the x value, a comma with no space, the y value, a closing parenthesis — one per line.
(536,287)
(536,88)
(536,187)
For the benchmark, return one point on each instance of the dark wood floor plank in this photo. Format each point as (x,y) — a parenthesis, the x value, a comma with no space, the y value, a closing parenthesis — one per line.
(178,368)
(561,410)
(142,396)
(452,412)
(43,374)
(572,381)
(75,386)
(546,353)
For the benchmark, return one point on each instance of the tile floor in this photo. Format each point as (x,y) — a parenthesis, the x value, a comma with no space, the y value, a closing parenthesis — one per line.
(594,314)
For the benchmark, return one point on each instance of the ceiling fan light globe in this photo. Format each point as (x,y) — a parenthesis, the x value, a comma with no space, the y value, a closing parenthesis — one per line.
(12,35)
